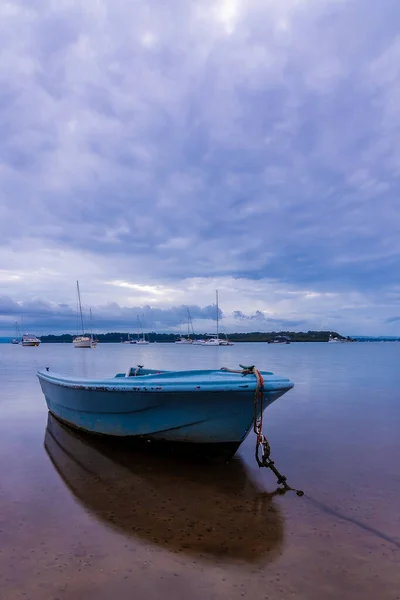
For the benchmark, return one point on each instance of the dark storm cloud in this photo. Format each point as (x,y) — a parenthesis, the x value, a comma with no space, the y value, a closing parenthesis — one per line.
(59,317)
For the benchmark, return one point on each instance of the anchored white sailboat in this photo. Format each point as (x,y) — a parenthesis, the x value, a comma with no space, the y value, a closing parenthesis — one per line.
(17,339)
(183,339)
(26,339)
(83,341)
(214,339)
(141,339)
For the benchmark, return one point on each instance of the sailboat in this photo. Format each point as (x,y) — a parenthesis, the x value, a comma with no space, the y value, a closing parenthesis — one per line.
(83,341)
(186,340)
(214,339)
(26,339)
(140,340)
(17,339)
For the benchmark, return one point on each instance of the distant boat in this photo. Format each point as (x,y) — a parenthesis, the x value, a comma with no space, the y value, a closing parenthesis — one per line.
(214,339)
(30,340)
(280,339)
(83,341)
(186,340)
(213,410)
(17,339)
(141,338)
(183,340)
(335,340)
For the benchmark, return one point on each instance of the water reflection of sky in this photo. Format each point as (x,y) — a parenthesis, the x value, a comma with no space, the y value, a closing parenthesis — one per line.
(82,520)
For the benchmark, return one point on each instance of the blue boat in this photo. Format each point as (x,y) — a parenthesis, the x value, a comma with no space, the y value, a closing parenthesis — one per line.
(211,411)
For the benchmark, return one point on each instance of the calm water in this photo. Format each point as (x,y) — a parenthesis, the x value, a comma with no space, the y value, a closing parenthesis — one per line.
(80,520)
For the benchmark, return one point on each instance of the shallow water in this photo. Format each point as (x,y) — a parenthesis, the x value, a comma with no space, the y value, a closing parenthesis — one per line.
(88,520)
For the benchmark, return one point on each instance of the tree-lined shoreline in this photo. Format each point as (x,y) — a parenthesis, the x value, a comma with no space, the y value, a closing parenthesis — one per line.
(256,336)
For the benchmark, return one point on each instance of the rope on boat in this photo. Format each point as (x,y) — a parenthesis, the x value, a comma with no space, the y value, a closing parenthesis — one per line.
(262,445)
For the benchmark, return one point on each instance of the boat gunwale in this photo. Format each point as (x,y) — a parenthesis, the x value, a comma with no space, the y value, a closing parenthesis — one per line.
(162,382)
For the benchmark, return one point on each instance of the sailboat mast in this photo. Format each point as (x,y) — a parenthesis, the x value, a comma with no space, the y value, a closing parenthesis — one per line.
(141,326)
(17,331)
(80,305)
(216,295)
(190,320)
(91,327)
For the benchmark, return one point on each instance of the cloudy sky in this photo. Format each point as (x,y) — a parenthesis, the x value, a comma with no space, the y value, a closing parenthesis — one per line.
(157,151)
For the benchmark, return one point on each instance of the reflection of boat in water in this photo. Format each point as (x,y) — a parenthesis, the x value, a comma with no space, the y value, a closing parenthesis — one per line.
(195,509)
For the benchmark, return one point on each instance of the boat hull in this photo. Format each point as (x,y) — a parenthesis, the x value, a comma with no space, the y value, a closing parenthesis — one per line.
(160,411)
(84,342)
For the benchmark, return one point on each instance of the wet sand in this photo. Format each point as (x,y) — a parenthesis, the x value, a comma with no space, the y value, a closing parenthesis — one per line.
(84,519)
